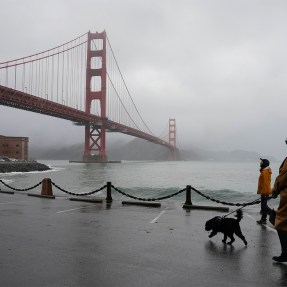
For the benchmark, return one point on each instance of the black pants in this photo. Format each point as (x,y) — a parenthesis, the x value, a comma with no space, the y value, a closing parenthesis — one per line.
(283,240)
(264,207)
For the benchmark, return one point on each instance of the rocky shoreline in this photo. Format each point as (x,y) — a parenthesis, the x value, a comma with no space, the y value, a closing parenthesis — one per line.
(6,167)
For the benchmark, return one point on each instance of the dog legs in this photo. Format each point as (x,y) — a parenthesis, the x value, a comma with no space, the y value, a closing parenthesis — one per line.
(230,235)
(231,241)
(240,235)
(213,233)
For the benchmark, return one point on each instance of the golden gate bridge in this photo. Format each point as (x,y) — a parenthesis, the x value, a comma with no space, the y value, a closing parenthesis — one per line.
(80,81)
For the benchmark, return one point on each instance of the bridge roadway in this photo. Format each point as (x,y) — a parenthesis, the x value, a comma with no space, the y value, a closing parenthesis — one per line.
(46,242)
(20,100)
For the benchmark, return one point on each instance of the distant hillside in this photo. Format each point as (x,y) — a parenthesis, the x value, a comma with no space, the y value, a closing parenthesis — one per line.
(73,152)
(139,149)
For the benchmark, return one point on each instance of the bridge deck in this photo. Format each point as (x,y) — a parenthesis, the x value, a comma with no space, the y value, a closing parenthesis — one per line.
(60,242)
(20,100)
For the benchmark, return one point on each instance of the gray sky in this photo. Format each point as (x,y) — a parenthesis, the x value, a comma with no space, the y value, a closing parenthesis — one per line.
(219,67)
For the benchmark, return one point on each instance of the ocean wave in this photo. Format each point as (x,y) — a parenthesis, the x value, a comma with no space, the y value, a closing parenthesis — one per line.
(7,180)
(27,172)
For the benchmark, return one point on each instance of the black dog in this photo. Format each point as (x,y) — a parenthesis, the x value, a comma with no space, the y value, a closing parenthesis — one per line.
(227,226)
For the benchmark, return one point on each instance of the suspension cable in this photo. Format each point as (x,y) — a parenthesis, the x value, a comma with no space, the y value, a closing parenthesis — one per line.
(127,87)
(3,63)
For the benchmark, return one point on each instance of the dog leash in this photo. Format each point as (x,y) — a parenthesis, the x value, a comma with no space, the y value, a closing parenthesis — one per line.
(242,207)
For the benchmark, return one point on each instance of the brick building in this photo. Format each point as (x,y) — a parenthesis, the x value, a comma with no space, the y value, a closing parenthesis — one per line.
(14,147)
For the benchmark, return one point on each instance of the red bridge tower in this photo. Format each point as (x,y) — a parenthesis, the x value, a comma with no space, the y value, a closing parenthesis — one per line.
(95,133)
(172,139)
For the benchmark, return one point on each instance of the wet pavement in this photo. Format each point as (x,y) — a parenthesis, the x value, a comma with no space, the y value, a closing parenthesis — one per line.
(59,242)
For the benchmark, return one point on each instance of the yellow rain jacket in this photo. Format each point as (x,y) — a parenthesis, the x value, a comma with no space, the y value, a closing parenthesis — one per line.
(280,186)
(264,182)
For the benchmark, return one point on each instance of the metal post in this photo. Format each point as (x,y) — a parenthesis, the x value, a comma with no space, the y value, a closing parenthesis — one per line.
(188,195)
(109,192)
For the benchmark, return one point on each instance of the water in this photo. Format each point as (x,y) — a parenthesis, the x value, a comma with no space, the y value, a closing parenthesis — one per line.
(234,182)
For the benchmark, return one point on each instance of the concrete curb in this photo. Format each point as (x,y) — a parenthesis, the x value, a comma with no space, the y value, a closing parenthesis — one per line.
(142,203)
(8,192)
(219,208)
(44,196)
(87,200)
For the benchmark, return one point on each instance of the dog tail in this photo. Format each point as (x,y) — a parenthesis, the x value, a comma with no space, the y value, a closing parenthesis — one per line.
(239,214)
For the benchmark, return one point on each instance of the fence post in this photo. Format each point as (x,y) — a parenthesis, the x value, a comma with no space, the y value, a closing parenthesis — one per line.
(188,195)
(47,187)
(109,192)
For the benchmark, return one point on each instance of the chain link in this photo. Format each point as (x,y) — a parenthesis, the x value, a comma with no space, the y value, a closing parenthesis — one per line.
(148,199)
(18,189)
(78,194)
(226,203)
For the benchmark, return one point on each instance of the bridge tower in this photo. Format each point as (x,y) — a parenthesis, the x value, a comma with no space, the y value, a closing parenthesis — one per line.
(95,133)
(172,139)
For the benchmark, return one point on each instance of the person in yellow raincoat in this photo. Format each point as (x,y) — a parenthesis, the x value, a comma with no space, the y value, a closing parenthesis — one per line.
(264,187)
(280,187)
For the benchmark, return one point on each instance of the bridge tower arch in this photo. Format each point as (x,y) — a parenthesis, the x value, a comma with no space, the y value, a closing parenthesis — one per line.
(172,139)
(95,133)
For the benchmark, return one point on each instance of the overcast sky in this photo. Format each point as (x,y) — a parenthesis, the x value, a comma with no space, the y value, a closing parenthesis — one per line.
(219,67)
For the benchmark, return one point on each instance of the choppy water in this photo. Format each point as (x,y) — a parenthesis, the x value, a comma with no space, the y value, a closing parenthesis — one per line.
(234,182)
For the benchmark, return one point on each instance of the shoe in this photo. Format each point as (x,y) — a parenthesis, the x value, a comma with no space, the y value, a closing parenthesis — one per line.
(281,258)
(261,221)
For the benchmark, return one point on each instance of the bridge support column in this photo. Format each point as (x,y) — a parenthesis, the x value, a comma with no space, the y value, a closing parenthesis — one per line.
(95,133)
(95,141)
(172,139)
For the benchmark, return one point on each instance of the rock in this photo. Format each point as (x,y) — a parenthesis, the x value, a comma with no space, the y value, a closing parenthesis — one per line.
(6,167)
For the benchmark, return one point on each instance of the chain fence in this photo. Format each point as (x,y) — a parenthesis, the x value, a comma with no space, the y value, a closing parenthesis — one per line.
(149,199)
(79,194)
(226,203)
(20,189)
(135,197)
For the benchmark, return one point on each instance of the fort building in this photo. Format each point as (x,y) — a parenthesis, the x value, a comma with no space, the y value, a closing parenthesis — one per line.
(14,147)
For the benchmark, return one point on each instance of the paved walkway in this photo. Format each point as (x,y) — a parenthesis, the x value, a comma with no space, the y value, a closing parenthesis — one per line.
(46,242)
